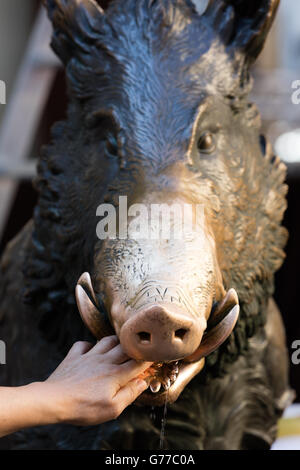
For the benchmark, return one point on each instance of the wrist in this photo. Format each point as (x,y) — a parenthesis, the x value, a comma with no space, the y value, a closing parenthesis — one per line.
(47,409)
(28,406)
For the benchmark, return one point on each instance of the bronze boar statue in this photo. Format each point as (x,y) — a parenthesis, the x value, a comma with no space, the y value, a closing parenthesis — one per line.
(158,113)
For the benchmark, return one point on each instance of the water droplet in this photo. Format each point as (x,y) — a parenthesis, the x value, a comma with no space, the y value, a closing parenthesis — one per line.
(167,384)
(155,386)
(152,414)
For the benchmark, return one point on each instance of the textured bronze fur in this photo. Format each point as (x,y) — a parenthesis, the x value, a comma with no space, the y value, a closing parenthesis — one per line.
(145,79)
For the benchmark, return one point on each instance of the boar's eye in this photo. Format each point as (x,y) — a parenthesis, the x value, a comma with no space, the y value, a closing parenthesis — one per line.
(206,143)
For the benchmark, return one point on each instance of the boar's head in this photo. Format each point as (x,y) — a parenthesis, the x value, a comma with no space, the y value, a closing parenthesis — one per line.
(159,113)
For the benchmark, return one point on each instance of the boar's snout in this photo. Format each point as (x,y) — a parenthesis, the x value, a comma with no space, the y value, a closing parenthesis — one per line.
(161,333)
(176,338)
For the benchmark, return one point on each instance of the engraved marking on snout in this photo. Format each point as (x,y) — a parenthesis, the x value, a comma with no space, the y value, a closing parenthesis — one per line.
(151,293)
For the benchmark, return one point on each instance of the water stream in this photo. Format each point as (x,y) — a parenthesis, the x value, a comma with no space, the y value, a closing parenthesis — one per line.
(152,414)
(163,424)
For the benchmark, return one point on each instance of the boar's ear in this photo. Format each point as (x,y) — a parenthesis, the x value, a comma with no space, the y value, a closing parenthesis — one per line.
(76,25)
(255,20)
(243,24)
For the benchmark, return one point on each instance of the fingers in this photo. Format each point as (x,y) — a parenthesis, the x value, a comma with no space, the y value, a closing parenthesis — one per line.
(115,356)
(105,345)
(127,394)
(131,369)
(79,348)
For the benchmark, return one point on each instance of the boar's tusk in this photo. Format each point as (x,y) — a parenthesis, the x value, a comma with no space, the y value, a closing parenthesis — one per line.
(86,282)
(213,338)
(89,309)
(223,308)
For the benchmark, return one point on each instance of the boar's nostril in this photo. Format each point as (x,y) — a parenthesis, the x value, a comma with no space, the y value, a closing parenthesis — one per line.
(144,337)
(159,335)
(180,333)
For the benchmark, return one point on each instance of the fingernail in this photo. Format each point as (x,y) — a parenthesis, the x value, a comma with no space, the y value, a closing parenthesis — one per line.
(141,384)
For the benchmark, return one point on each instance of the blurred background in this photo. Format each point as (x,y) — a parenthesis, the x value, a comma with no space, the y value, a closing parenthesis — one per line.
(36,98)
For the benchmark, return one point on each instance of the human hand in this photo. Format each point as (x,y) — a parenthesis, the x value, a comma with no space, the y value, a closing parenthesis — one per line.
(95,384)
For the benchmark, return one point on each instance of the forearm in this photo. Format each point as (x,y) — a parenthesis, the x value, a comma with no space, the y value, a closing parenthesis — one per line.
(27,406)
(93,384)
